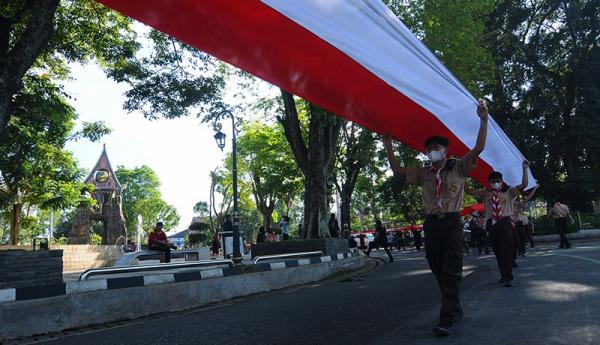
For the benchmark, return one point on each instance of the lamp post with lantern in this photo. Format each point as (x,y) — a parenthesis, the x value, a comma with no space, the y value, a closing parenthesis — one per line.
(220,139)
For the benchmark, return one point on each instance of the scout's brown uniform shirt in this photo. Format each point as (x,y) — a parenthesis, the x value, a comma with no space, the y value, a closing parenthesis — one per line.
(506,201)
(453,186)
(559,211)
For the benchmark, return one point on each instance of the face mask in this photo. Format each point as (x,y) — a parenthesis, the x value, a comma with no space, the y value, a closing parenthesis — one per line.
(436,156)
(497,185)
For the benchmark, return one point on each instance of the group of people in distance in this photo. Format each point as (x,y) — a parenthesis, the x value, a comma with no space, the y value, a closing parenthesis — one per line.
(443,186)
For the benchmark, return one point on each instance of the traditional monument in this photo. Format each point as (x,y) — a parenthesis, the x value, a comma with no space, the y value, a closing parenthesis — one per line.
(108,209)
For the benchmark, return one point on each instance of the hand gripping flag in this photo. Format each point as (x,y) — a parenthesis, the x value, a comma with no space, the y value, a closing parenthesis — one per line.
(354,58)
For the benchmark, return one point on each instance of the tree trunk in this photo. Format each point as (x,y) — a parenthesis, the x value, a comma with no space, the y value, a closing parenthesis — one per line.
(15,223)
(267,218)
(315,160)
(345,211)
(15,62)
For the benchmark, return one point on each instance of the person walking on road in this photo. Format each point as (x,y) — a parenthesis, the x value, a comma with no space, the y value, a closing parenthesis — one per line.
(560,212)
(443,189)
(522,222)
(380,240)
(418,239)
(285,230)
(499,213)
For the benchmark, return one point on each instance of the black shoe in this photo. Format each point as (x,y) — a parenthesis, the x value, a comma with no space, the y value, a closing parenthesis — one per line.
(515,264)
(391,259)
(568,246)
(441,331)
(501,281)
(367,254)
(509,284)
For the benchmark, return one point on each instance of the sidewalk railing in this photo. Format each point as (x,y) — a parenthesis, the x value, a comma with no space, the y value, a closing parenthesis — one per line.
(147,268)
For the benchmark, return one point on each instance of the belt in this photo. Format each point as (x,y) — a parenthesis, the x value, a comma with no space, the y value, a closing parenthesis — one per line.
(443,215)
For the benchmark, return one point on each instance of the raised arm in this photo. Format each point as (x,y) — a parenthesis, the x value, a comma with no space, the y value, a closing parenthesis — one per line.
(525,179)
(530,195)
(482,112)
(394,164)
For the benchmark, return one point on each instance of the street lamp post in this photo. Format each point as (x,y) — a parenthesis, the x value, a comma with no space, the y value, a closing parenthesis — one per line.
(220,139)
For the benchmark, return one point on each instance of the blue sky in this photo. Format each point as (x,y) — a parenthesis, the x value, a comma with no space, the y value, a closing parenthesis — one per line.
(181,151)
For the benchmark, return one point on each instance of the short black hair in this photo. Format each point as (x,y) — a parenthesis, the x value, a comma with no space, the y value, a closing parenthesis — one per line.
(495,175)
(557,199)
(437,140)
(160,224)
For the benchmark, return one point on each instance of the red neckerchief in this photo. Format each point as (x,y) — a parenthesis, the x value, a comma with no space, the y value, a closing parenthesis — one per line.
(439,186)
(496,207)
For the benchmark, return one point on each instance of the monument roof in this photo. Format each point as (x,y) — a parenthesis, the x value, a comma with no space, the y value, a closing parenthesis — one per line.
(98,177)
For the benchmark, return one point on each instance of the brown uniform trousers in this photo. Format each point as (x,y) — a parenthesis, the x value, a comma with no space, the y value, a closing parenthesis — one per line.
(444,250)
(501,235)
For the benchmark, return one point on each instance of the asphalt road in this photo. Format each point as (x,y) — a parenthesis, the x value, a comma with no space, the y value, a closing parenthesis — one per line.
(556,301)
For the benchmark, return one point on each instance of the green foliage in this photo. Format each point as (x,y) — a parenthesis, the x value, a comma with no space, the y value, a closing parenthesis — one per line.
(270,167)
(141,196)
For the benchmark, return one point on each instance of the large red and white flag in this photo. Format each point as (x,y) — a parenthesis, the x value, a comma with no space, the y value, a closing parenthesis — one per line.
(354,58)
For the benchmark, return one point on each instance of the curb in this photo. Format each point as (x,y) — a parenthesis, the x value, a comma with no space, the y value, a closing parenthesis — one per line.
(36,292)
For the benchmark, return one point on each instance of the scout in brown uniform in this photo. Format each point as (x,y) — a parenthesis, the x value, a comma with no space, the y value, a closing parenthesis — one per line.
(499,212)
(522,222)
(443,189)
(560,212)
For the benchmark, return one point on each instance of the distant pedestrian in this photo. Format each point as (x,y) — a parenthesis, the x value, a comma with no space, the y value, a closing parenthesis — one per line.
(361,239)
(477,227)
(334,226)
(560,212)
(216,245)
(261,237)
(271,235)
(499,210)
(351,241)
(400,243)
(418,238)
(522,222)
(380,240)
(284,226)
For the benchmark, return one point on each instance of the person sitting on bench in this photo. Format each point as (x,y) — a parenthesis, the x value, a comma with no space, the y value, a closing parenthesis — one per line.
(157,240)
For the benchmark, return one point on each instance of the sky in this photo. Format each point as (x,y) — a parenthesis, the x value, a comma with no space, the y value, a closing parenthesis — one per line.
(182,151)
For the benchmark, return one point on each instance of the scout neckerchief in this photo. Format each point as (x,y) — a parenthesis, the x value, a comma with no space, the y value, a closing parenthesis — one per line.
(496,207)
(439,186)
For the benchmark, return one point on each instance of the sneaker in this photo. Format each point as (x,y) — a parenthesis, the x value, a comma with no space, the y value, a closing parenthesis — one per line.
(441,331)
(509,284)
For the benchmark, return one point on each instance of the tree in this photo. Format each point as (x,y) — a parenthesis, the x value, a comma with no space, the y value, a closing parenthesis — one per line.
(141,196)
(546,94)
(201,209)
(357,146)
(43,36)
(35,169)
(268,164)
(314,156)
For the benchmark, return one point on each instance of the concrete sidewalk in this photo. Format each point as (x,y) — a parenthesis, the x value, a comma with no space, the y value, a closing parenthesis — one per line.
(556,301)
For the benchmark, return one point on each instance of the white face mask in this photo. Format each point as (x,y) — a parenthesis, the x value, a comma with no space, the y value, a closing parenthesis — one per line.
(436,156)
(496,185)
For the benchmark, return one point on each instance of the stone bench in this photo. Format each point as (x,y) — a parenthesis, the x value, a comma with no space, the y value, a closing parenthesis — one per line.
(189,254)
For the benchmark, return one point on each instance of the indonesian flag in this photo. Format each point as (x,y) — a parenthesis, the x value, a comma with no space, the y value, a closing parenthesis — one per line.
(354,58)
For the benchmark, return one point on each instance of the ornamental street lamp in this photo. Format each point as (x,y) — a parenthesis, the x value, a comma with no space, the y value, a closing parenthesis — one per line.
(220,139)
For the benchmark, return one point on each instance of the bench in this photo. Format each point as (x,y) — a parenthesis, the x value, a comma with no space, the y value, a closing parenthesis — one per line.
(189,254)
